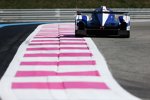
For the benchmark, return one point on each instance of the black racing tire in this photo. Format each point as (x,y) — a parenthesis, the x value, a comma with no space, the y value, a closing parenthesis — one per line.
(81,25)
(80,33)
(124,34)
(123,26)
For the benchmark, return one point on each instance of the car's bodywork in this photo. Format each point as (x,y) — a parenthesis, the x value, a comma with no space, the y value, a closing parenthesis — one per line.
(103,22)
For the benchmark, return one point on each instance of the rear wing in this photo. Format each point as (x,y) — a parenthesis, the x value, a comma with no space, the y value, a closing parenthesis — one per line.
(107,12)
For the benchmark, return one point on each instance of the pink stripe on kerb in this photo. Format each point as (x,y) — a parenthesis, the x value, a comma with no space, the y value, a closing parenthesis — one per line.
(59,55)
(63,43)
(85,85)
(43,43)
(52,73)
(35,49)
(34,63)
(50,26)
(71,39)
(73,43)
(74,48)
(41,55)
(75,54)
(47,36)
(90,62)
(67,28)
(59,85)
(48,31)
(43,35)
(35,73)
(84,73)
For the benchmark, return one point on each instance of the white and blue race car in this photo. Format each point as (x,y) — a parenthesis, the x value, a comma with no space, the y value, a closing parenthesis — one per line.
(103,22)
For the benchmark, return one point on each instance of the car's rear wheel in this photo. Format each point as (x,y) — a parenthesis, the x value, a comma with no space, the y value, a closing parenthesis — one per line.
(123,26)
(124,34)
(81,25)
(80,33)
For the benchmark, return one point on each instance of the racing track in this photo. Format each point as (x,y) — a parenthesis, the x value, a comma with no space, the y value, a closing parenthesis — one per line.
(128,59)
(10,39)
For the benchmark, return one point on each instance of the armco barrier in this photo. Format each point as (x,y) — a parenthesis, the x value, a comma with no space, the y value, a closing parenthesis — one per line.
(59,15)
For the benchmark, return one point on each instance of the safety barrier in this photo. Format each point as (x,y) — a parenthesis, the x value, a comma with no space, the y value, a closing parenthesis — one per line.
(59,15)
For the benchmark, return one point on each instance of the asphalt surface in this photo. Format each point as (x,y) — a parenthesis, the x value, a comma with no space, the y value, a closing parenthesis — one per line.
(129,59)
(10,39)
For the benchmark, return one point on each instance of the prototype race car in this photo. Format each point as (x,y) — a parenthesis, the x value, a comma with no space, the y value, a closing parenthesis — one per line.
(103,22)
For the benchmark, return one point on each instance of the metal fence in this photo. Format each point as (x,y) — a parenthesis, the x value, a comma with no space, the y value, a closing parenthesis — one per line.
(59,15)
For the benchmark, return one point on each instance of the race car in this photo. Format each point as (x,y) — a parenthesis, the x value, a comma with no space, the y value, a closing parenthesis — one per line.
(102,22)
